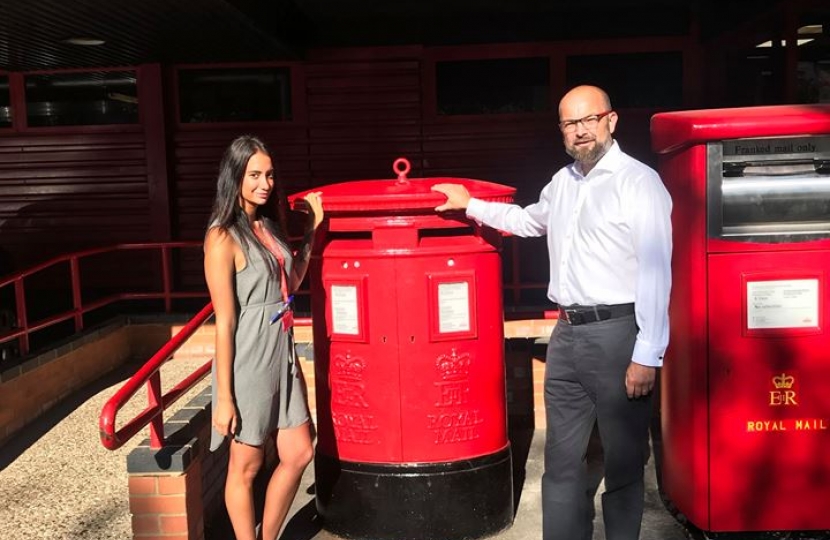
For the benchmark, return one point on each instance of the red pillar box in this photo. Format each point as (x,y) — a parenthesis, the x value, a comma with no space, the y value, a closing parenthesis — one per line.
(746,407)
(409,364)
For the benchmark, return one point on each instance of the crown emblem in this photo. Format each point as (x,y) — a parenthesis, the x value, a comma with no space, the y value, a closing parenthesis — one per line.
(453,366)
(349,367)
(783,381)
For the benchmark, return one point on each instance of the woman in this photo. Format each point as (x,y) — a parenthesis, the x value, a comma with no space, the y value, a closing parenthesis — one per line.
(258,391)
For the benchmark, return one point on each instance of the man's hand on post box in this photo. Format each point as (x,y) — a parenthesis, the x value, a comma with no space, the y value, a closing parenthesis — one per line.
(639,380)
(457,196)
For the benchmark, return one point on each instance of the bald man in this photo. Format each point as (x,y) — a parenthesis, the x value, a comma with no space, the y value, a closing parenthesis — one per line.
(608,227)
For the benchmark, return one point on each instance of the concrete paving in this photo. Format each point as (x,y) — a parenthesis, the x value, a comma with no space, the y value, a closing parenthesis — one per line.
(658,523)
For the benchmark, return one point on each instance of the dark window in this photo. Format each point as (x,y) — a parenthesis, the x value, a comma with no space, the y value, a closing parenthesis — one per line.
(512,85)
(814,59)
(5,103)
(235,95)
(755,77)
(638,80)
(82,99)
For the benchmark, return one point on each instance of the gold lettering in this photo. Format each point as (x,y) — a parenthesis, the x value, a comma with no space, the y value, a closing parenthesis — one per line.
(778,398)
(765,426)
(811,424)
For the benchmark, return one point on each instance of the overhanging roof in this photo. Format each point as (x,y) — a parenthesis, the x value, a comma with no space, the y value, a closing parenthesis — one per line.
(33,33)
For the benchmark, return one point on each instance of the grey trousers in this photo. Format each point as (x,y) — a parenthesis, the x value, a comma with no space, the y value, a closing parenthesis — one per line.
(585,383)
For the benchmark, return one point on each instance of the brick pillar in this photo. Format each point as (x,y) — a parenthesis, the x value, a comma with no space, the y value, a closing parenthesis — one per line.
(167,507)
(166,499)
(176,489)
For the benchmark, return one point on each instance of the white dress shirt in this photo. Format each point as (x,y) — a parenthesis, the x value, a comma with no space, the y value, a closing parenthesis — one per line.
(609,240)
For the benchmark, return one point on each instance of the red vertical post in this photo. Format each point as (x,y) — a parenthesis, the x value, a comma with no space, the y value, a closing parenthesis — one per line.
(154,402)
(22,317)
(166,278)
(152,114)
(77,302)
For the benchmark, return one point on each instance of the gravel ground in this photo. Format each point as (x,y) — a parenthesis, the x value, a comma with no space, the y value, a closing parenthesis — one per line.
(58,482)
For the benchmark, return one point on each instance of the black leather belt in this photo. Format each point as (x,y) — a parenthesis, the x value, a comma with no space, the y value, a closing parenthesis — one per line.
(577,314)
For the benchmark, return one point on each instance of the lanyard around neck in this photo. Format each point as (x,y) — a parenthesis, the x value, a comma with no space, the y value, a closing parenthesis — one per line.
(270,243)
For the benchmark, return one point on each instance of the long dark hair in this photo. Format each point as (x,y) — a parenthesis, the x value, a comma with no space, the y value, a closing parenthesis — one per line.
(227,212)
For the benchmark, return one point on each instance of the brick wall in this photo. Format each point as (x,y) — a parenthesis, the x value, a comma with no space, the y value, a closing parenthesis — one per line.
(33,387)
(30,389)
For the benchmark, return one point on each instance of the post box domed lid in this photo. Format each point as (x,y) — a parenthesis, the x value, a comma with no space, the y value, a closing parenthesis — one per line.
(395,195)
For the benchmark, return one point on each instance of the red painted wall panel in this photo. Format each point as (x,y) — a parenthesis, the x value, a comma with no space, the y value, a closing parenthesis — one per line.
(68,191)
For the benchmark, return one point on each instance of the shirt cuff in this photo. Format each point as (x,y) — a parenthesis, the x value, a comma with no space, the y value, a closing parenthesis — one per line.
(475,210)
(647,354)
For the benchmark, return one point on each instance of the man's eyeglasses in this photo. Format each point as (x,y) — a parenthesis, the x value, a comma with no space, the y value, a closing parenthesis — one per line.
(590,122)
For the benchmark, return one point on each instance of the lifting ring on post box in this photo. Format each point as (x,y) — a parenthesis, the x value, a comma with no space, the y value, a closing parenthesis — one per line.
(401,167)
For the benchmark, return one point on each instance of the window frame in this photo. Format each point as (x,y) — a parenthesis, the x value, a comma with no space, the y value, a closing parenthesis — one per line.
(296,88)
(23,124)
(12,108)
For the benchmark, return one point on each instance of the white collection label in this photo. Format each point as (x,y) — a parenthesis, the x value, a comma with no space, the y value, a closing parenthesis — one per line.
(791,303)
(453,307)
(344,310)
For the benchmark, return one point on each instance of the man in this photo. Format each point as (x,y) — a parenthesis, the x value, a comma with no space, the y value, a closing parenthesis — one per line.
(607,221)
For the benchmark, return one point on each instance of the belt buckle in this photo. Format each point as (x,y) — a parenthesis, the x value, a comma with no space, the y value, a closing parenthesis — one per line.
(574,317)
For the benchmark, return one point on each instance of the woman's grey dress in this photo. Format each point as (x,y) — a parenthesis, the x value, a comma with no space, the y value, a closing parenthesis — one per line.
(268,388)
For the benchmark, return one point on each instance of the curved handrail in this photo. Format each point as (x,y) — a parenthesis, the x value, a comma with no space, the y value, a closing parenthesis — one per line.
(158,402)
(113,438)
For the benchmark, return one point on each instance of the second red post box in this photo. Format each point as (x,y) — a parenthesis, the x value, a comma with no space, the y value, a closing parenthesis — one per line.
(745,407)
(409,364)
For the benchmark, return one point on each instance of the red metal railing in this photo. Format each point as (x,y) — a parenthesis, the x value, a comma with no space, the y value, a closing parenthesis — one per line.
(24,328)
(150,375)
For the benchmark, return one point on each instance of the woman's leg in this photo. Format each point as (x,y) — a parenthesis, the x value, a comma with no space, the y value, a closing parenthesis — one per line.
(243,465)
(295,453)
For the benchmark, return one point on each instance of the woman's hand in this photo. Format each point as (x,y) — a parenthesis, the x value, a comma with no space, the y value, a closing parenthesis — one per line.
(314,200)
(224,417)
(314,207)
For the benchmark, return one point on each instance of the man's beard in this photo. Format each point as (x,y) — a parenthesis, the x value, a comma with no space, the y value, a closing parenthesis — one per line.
(589,154)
